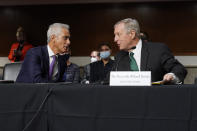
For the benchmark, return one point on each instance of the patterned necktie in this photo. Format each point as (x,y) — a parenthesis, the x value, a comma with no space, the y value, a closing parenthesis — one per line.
(133,64)
(52,66)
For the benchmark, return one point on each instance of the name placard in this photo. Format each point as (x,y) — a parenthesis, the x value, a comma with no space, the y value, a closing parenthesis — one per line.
(130,78)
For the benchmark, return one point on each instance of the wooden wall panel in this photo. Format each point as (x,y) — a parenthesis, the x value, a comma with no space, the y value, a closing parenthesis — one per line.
(47,2)
(170,22)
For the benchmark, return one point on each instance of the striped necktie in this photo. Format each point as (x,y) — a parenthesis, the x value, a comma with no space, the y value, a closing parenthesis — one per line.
(51,68)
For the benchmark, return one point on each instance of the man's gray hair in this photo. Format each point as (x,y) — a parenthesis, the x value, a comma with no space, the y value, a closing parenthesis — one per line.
(55,29)
(130,24)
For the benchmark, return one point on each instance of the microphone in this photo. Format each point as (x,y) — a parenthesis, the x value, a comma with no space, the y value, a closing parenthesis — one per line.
(118,61)
(117,64)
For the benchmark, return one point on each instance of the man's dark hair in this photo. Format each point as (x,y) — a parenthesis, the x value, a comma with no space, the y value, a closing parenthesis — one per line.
(104,44)
(144,36)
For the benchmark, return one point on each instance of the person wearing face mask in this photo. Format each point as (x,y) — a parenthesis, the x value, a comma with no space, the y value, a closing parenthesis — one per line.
(20,48)
(94,56)
(100,69)
(72,72)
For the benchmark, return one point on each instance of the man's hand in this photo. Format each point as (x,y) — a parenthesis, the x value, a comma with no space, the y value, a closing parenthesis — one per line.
(168,78)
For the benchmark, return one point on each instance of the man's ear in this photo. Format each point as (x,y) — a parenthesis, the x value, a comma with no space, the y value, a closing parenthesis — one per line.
(132,34)
(53,37)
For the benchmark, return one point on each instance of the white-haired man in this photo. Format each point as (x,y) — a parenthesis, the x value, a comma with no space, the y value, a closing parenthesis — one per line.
(45,64)
(136,55)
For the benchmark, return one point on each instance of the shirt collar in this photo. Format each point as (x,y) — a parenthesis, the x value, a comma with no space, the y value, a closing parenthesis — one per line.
(138,48)
(50,51)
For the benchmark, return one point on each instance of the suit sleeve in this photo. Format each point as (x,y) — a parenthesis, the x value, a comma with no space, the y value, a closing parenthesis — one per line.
(76,75)
(86,74)
(32,70)
(170,64)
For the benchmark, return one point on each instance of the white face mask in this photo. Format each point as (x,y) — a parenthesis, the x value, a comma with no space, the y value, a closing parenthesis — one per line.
(93,59)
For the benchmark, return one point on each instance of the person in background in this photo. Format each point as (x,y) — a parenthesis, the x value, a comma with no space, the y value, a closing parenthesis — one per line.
(136,55)
(94,56)
(144,36)
(72,72)
(19,49)
(100,69)
(46,64)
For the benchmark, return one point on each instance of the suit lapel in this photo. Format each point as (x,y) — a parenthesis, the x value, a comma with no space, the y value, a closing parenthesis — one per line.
(127,64)
(46,58)
(144,56)
(61,66)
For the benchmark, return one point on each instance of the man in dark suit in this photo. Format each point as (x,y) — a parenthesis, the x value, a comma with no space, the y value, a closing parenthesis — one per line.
(137,55)
(94,56)
(45,64)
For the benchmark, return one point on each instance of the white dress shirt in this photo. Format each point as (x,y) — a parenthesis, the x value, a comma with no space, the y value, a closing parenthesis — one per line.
(137,53)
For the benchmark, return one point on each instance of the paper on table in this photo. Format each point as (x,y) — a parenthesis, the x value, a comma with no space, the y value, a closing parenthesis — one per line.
(157,82)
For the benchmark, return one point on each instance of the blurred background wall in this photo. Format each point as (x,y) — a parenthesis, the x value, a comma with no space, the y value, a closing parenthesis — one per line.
(174,23)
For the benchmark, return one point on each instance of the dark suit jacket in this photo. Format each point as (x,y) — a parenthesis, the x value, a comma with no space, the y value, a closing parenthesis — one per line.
(35,68)
(155,57)
(86,73)
(72,73)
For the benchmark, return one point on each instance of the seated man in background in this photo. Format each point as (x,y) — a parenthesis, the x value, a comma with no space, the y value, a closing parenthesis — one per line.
(20,48)
(137,55)
(45,64)
(94,56)
(100,69)
(72,72)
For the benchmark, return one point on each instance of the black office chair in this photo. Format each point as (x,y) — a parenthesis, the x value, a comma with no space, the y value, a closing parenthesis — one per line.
(11,70)
(195,80)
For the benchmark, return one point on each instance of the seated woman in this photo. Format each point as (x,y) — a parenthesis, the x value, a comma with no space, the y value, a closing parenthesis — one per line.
(72,72)
(100,69)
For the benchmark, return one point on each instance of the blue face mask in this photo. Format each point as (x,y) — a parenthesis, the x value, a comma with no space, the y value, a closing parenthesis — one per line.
(104,54)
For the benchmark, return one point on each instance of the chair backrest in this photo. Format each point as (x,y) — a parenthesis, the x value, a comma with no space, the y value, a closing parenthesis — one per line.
(11,70)
(195,80)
